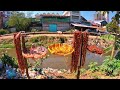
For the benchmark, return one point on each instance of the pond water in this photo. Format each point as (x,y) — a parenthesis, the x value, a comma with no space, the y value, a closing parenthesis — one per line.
(60,62)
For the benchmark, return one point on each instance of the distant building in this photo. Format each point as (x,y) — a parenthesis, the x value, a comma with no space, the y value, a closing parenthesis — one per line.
(54,22)
(74,16)
(99,16)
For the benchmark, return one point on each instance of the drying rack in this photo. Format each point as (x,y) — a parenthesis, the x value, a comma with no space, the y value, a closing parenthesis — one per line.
(78,53)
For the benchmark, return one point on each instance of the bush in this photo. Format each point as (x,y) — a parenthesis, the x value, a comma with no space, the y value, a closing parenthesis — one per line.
(9,61)
(110,67)
(82,70)
(3,31)
(93,66)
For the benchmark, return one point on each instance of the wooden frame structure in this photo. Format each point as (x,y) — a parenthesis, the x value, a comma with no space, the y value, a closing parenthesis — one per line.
(78,56)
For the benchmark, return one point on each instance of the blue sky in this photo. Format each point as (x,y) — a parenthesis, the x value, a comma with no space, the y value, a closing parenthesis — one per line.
(86,14)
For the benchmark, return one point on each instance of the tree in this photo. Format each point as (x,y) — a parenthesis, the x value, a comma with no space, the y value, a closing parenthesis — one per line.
(19,21)
(113,27)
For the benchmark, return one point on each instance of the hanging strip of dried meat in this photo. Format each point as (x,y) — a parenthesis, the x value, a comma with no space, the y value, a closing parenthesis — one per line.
(21,62)
(76,53)
(84,48)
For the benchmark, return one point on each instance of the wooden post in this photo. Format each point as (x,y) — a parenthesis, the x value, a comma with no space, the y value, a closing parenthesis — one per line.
(78,70)
(80,60)
(26,66)
(25,50)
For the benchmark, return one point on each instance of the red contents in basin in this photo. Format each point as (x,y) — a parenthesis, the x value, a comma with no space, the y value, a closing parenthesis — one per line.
(95,49)
(36,52)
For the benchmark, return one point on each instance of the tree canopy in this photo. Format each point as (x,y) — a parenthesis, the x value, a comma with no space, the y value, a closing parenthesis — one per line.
(113,26)
(19,21)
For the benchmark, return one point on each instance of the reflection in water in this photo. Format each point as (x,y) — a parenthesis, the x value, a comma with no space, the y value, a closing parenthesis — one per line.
(59,62)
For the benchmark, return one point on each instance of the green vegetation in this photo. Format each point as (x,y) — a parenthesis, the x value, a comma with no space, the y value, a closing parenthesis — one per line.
(6,46)
(19,22)
(39,40)
(6,43)
(113,28)
(108,37)
(3,31)
(109,67)
(93,66)
(45,40)
(82,70)
(6,59)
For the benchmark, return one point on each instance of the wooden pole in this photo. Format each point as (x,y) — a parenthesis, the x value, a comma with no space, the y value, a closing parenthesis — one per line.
(25,50)
(27,73)
(80,60)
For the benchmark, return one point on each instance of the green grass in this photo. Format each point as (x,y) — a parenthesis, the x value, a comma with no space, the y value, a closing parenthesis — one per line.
(6,46)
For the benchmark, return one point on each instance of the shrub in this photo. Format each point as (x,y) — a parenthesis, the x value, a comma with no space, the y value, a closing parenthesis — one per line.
(93,66)
(110,67)
(3,31)
(82,70)
(9,61)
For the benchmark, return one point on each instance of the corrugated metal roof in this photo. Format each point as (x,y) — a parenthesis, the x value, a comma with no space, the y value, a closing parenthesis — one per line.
(81,25)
